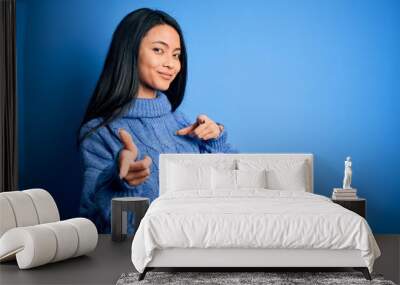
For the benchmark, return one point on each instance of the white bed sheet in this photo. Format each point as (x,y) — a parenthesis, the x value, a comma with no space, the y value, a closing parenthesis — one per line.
(250,218)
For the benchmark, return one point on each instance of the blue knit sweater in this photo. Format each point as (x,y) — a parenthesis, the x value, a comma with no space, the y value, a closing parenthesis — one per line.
(152,126)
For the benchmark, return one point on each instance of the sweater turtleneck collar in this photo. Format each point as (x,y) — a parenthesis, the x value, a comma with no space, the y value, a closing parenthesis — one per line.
(154,107)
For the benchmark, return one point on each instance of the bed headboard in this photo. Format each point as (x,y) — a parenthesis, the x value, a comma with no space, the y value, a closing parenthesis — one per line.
(216,158)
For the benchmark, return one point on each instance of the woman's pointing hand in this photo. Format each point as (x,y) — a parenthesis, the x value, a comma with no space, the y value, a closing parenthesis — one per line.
(204,128)
(134,172)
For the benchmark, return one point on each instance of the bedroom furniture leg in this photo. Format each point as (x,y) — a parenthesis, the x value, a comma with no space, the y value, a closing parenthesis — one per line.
(143,274)
(364,271)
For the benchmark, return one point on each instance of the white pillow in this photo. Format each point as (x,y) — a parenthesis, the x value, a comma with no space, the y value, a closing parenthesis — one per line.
(282,174)
(223,179)
(181,177)
(251,178)
(291,179)
(236,179)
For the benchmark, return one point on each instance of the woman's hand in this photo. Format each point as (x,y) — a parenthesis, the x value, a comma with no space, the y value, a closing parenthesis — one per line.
(134,172)
(204,128)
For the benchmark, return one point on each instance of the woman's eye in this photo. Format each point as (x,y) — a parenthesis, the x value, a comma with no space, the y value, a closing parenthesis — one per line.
(177,55)
(157,50)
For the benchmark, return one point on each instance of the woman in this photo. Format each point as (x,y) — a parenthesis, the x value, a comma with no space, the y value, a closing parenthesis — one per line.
(131,117)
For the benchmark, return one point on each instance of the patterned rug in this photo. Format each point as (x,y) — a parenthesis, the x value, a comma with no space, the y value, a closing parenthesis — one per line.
(230,278)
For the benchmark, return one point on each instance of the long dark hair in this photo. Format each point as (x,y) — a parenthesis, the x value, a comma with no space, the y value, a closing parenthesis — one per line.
(118,84)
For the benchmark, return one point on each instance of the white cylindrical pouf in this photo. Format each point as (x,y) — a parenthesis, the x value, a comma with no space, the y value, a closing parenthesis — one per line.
(23,208)
(7,218)
(31,232)
(67,239)
(87,233)
(45,205)
(33,245)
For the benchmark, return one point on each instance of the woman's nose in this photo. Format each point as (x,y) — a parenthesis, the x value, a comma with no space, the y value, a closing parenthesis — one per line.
(169,62)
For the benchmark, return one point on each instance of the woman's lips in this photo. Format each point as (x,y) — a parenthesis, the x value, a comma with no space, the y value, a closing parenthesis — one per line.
(165,76)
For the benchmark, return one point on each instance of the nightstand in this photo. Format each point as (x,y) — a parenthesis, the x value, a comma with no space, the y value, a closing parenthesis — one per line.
(357,206)
(119,214)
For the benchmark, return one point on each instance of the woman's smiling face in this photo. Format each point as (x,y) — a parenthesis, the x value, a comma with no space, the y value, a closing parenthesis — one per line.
(159,57)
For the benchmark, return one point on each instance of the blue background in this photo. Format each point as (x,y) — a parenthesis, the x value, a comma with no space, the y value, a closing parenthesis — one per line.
(318,77)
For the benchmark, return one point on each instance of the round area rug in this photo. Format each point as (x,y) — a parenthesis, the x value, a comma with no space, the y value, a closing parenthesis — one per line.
(229,278)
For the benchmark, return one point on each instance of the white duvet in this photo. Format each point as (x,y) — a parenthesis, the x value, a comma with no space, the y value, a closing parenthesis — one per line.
(251,218)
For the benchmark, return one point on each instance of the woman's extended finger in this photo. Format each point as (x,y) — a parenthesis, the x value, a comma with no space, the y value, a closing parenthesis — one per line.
(124,166)
(187,130)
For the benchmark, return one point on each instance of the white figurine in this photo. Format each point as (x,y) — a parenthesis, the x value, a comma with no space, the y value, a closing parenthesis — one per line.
(347,173)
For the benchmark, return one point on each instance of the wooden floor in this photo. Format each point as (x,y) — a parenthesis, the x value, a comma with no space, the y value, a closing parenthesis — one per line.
(389,262)
(110,260)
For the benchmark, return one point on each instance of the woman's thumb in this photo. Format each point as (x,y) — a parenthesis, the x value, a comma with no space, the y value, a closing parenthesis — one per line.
(127,140)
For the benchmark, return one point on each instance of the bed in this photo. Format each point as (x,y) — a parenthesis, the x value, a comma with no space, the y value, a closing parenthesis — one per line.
(247,210)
